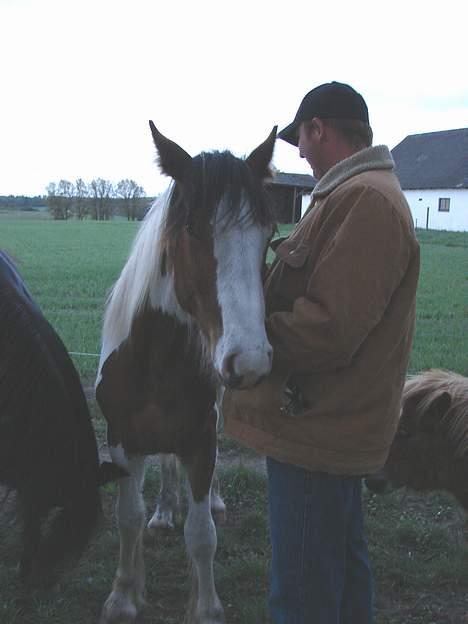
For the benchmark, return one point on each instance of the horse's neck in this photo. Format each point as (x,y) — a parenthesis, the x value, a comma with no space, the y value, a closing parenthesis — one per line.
(141,281)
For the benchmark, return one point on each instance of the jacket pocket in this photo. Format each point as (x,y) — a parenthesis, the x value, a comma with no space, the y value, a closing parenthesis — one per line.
(293,255)
(290,276)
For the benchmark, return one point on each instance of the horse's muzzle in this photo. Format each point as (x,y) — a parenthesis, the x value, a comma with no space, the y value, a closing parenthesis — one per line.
(238,376)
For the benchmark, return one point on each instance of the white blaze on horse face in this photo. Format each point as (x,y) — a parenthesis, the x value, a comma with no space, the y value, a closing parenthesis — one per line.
(243,354)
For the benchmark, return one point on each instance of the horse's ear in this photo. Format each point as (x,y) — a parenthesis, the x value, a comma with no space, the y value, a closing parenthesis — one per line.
(432,419)
(173,160)
(259,160)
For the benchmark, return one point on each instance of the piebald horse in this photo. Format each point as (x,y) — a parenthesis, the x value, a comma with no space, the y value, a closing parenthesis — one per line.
(185,317)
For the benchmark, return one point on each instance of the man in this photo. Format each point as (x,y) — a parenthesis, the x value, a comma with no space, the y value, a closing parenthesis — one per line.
(340,301)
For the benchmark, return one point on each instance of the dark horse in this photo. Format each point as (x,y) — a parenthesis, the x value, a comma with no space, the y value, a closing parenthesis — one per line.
(48,451)
(185,316)
(430,449)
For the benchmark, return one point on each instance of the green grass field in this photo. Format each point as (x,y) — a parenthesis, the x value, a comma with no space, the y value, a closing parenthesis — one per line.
(69,267)
(420,560)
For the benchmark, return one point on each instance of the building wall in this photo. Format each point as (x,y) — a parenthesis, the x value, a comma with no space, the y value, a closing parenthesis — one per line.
(306,199)
(457,217)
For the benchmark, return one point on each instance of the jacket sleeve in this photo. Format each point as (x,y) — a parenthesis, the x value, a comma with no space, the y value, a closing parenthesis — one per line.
(348,291)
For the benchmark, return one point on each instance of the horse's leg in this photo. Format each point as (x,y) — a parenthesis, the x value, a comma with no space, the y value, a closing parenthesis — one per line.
(168,503)
(31,538)
(127,596)
(200,533)
(218,508)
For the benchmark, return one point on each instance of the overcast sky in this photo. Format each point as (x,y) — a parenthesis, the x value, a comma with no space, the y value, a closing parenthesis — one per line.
(81,78)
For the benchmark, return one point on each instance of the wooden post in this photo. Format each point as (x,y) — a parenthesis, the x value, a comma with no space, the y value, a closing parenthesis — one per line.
(427,218)
(293,220)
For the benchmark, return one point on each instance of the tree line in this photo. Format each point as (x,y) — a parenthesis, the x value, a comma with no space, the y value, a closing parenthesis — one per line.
(99,199)
(21,202)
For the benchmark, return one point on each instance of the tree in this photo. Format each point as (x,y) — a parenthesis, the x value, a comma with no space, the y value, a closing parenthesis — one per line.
(66,191)
(80,205)
(60,199)
(101,192)
(131,195)
(53,200)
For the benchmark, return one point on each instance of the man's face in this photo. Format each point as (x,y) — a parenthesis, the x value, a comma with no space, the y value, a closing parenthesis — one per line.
(309,145)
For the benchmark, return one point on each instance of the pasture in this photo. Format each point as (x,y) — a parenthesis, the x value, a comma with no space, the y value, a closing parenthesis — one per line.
(419,557)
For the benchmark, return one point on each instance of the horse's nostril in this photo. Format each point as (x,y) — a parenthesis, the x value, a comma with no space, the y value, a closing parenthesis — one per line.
(229,375)
(228,370)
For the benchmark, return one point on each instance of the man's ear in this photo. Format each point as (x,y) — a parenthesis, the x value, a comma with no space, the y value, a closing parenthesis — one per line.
(318,127)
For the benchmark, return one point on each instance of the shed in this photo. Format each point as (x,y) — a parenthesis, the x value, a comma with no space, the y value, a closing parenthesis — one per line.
(289,192)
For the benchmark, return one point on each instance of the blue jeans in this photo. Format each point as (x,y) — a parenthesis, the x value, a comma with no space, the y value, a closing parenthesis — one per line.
(320,571)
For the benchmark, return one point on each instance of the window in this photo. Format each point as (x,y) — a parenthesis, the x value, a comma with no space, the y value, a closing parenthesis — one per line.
(444,204)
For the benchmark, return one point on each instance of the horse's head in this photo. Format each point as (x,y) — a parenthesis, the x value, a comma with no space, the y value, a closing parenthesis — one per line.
(420,452)
(216,234)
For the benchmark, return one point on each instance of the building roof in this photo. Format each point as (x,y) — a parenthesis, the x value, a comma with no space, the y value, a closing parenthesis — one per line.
(435,160)
(299,180)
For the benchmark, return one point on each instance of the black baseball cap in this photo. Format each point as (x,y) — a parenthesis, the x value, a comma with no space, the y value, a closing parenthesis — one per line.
(332,100)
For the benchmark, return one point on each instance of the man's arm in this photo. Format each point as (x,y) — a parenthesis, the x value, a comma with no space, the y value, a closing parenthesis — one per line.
(348,291)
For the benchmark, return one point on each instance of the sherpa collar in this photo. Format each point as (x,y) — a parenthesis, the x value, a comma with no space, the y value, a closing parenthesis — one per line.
(368,159)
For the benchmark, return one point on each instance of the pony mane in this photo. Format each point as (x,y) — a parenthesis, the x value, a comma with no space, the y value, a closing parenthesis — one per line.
(427,387)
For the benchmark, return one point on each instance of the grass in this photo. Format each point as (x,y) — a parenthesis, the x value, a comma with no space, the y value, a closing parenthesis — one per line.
(69,267)
(442,304)
(419,559)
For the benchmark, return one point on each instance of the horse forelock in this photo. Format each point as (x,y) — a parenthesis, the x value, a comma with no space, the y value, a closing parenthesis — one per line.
(427,387)
(218,178)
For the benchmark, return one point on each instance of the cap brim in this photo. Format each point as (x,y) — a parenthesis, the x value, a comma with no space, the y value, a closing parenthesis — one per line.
(289,134)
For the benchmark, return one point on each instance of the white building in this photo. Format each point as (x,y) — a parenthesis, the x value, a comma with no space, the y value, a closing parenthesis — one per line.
(433,173)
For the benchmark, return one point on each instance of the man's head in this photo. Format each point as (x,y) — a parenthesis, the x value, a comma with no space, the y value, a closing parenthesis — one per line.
(331,124)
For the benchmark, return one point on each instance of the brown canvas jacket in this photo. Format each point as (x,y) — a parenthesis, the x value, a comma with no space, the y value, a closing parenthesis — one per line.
(340,300)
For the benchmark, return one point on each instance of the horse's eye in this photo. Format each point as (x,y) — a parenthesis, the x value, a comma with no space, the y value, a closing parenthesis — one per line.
(191,231)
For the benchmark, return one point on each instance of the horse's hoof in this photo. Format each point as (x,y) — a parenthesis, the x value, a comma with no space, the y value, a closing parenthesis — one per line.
(162,520)
(118,609)
(211,616)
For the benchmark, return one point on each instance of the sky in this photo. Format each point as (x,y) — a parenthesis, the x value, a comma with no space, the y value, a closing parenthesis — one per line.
(81,78)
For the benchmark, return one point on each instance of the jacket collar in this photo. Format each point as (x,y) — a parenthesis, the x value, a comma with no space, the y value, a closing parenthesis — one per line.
(368,159)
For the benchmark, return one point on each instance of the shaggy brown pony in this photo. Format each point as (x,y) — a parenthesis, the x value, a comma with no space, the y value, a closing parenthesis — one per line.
(430,449)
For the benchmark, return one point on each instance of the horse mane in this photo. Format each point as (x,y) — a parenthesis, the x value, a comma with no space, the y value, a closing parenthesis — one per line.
(214,176)
(141,272)
(426,387)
